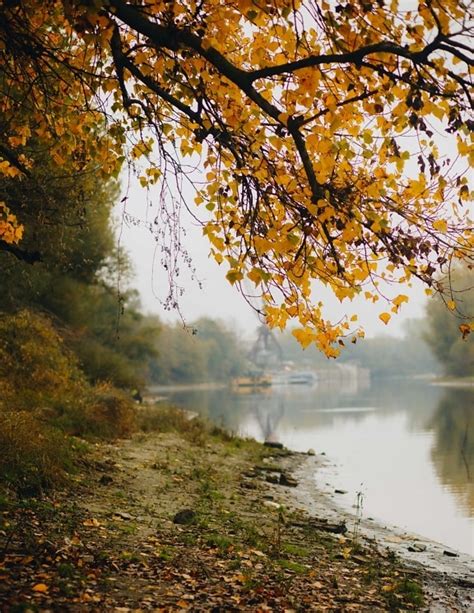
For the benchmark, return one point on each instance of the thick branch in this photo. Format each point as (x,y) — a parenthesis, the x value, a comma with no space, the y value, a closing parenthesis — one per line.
(173,38)
(351,57)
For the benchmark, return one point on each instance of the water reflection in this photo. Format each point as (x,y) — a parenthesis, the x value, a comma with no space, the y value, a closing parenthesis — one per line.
(412,444)
(453,450)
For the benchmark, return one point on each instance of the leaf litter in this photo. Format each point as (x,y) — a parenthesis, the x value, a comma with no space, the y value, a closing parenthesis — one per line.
(115,547)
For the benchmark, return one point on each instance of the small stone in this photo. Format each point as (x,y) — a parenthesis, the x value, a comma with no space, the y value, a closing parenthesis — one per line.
(273,478)
(186,516)
(450,554)
(273,444)
(340,491)
(251,474)
(311,452)
(417,547)
(271,505)
(123,515)
(248,485)
(105,480)
(288,481)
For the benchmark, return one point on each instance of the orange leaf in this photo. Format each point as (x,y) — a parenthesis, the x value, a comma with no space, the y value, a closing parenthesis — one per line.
(385,317)
(40,587)
(93,522)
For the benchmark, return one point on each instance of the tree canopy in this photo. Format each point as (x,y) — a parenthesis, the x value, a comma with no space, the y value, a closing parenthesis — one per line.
(320,129)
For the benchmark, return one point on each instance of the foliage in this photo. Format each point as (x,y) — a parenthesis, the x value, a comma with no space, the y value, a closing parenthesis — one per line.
(388,356)
(68,225)
(106,413)
(44,399)
(448,331)
(10,230)
(111,338)
(36,369)
(314,125)
(40,375)
(224,353)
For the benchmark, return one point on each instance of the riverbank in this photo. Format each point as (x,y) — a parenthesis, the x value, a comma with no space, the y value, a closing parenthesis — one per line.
(186,517)
(448,575)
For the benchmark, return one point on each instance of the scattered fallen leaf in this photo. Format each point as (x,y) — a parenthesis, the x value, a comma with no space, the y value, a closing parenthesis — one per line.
(92,522)
(40,587)
(182,604)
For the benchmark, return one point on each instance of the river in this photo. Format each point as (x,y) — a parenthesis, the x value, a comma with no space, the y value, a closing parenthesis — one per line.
(407,447)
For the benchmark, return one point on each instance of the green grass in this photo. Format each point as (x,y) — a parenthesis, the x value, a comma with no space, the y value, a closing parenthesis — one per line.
(295,550)
(411,592)
(292,566)
(218,541)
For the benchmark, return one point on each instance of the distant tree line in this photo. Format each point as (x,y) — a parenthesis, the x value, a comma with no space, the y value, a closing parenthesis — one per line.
(450,325)
(205,350)
(385,356)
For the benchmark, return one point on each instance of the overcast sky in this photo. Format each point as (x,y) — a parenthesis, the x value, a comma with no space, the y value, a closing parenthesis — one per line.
(217,298)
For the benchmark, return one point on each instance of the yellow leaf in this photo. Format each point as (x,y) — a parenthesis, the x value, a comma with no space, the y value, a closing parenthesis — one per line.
(234,275)
(400,299)
(451,305)
(441,225)
(92,522)
(304,336)
(385,317)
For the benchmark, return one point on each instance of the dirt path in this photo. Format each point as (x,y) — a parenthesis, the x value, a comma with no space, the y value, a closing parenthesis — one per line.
(189,521)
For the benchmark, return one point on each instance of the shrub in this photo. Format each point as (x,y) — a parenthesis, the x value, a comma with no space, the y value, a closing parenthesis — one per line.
(36,369)
(108,412)
(39,374)
(44,397)
(34,456)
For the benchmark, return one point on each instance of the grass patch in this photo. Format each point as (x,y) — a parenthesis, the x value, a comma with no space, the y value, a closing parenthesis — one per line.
(163,418)
(34,456)
(218,541)
(198,431)
(294,567)
(295,550)
(410,591)
(166,554)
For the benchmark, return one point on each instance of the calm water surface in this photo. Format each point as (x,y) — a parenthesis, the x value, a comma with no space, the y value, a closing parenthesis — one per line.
(407,446)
